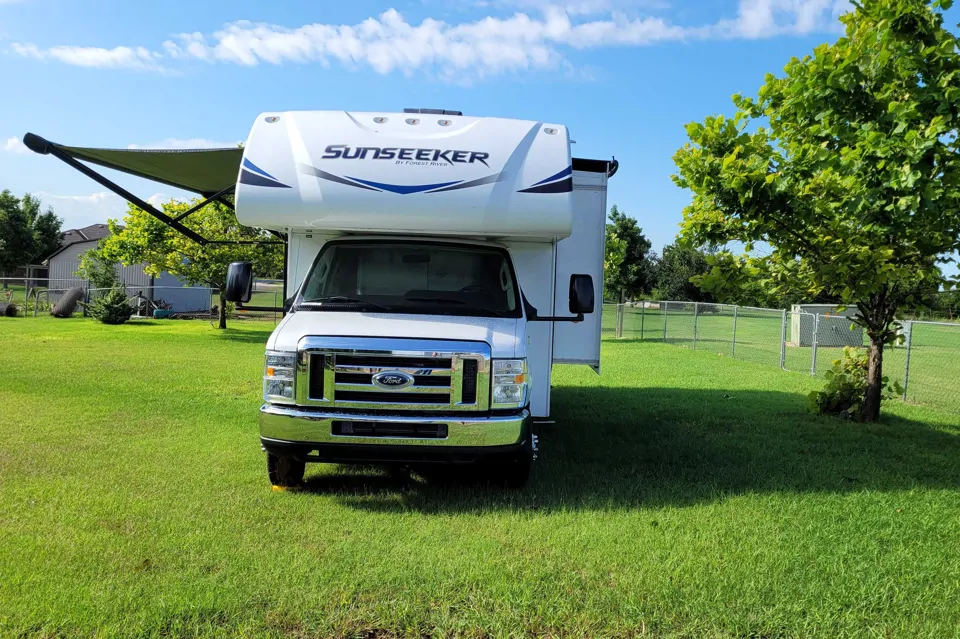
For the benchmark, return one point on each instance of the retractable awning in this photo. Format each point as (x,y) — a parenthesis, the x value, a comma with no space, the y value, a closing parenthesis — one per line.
(203,171)
(210,172)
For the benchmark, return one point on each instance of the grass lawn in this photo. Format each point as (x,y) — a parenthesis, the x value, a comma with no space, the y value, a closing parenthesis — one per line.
(681,494)
(934,378)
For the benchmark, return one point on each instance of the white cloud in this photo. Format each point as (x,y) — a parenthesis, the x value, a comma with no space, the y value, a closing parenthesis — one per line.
(14,145)
(136,58)
(78,211)
(186,143)
(576,7)
(489,46)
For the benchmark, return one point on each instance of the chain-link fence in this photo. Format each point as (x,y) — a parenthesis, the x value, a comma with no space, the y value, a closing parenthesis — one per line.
(926,361)
(37,297)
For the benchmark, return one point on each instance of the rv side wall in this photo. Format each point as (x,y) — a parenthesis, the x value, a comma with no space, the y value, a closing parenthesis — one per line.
(582,252)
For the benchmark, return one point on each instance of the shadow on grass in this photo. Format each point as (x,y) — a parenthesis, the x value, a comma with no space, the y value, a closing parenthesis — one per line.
(258,336)
(620,447)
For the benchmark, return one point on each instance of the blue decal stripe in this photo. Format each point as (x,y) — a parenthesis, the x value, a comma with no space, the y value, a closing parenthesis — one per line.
(564,173)
(403,189)
(490,179)
(323,175)
(563,186)
(256,169)
(255,179)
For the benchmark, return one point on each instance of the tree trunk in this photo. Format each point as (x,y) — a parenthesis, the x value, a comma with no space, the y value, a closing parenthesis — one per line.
(870,411)
(222,310)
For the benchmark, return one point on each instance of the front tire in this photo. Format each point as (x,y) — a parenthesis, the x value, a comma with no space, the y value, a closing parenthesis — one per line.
(285,471)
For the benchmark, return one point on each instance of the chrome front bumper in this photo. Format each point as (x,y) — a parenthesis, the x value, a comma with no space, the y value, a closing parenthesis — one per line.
(298,425)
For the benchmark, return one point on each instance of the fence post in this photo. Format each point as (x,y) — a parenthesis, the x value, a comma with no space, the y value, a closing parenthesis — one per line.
(620,308)
(733,347)
(906,365)
(665,309)
(783,341)
(643,308)
(696,312)
(813,352)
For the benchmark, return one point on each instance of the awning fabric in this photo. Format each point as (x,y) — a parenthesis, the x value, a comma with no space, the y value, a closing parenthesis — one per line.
(204,171)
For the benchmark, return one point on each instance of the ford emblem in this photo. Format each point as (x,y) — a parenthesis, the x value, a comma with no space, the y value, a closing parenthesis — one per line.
(392,380)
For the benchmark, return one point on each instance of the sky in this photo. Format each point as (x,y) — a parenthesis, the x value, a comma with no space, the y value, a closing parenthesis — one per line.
(624,75)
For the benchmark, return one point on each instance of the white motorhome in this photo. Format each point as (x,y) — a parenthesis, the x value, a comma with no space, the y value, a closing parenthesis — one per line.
(438,267)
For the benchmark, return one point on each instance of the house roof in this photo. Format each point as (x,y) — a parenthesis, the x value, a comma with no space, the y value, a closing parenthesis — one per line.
(92,233)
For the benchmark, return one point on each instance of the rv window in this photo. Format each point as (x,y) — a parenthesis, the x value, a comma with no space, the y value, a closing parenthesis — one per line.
(412,277)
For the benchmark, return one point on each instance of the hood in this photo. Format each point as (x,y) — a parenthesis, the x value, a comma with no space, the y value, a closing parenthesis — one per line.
(499,333)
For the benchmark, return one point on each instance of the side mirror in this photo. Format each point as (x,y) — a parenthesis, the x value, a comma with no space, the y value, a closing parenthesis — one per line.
(239,282)
(288,303)
(581,294)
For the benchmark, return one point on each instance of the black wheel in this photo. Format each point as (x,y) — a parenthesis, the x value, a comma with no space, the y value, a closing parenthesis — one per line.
(512,473)
(285,471)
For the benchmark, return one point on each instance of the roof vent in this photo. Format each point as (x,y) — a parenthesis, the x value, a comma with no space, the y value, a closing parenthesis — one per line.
(433,112)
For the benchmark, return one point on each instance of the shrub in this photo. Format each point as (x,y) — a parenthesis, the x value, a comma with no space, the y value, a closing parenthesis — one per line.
(847,385)
(113,307)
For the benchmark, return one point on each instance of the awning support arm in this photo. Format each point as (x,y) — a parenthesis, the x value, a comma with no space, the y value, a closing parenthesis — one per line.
(43,147)
(217,197)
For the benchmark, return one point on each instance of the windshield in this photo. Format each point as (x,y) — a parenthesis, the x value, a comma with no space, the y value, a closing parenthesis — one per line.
(412,277)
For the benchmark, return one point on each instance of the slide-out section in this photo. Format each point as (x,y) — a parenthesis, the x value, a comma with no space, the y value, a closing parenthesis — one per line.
(582,252)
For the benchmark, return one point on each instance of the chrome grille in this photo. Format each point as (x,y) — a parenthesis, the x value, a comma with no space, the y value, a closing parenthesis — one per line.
(441,375)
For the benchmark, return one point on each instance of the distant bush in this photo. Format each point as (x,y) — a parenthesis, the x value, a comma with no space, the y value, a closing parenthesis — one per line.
(847,385)
(113,307)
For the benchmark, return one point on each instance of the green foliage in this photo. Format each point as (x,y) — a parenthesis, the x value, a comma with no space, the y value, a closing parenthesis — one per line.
(98,269)
(615,251)
(677,272)
(112,307)
(145,239)
(846,387)
(855,182)
(628,271)
(44,226)
(27,234)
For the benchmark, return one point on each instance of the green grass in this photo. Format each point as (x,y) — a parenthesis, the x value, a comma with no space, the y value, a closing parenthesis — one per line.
(681,494)
(934,378)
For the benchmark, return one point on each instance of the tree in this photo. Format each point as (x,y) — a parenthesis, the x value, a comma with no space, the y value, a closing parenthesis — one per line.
(45,227)
(27,235)
(144,239)
(17,243)
(629,275)
(97,268)
(854,183)
(677,271)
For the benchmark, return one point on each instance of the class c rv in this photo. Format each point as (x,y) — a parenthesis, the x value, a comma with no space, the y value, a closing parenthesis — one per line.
(437,267)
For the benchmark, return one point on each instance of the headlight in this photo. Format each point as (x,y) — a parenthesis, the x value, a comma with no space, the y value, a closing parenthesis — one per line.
(278,374)
(510,382)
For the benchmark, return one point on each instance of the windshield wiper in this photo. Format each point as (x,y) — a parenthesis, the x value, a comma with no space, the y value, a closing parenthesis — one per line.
(341,299)
(439,300)
(450,300)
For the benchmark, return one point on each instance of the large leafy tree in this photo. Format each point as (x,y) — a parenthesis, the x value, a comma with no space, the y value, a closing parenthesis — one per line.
(27,234)
(677,271)
(144,239)
(854,180)
(16,241)
(44,225)
(628,269)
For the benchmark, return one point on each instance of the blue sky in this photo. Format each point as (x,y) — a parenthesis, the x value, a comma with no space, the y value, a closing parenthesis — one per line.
(624,75)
